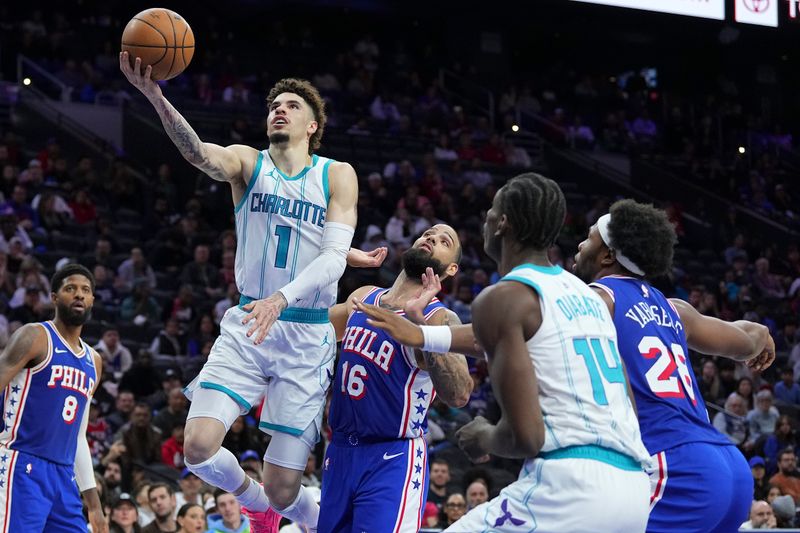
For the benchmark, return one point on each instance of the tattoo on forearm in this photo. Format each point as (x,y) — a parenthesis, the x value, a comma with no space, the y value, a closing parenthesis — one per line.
(184,137)
(446,371)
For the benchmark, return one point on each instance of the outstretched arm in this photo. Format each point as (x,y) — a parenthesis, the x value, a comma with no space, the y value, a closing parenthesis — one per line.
(220,163)
(741,340)
(449,371)
(505,317)
(327,267)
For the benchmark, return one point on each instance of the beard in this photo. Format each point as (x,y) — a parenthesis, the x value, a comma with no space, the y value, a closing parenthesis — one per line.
(416,260)
(279,137)
(71,317)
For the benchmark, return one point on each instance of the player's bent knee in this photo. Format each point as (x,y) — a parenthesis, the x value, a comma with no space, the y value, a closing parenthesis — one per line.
(202,439)
(281,492)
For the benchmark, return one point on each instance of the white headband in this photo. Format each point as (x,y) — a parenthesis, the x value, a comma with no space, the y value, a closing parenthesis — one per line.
(602,227)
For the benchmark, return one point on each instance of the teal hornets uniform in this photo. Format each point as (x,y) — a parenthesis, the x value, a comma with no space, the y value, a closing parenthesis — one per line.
(279,223)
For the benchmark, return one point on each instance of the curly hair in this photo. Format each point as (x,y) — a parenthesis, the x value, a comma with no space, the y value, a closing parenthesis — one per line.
(644,234)
(70,270)
(535,207)
(311,96)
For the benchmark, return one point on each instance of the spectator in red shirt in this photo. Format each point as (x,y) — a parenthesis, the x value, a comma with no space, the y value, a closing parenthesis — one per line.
(83,208)
(172,448)
(494,152)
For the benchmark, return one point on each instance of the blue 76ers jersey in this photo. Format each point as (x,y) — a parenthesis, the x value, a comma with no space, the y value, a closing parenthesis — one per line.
(379,392)
(43,405)
(652,342)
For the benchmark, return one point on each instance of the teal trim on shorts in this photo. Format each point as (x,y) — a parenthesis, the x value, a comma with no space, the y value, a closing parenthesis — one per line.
(552,270)
(250,185)
(283,429)
(295,314)
(597,453)
(222,388)
(326,188)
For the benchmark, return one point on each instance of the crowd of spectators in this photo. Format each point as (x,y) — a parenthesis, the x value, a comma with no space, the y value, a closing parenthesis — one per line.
(163,255)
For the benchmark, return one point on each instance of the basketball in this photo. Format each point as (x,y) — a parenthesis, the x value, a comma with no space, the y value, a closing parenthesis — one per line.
(162,38)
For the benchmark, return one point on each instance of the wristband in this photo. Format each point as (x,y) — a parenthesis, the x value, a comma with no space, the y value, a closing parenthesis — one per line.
(436,339)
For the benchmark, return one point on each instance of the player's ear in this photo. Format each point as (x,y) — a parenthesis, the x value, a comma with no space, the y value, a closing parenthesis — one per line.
(607,257)
(502,225)
(451,270)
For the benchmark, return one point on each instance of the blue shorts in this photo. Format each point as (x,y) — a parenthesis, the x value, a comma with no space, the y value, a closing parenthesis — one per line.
(377,488)
(699,487)
(38,495)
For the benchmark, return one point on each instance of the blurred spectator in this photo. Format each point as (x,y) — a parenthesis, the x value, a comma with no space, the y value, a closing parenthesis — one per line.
(116,356)
(202,275)
(142,440)
(761,517)
(759,471)
(98,431)
(494,152)
(135,269)
(105,295)
(763,418)
(788,477)
(736,250)
(103,255)
(112,476)
(142,379)
(579,135)
(516,156)
(732,422)
(124,515)
(170,381)
(173,414)
(241,438)
(169,340)
(205,331)
(50,218)
(454,508)
(162,501)
(229,515)
(140,494)
(183,307)
(399,229)
(787,392)
(122,410)
(710,387)
(10,229)
(443,150)
(190,486)
(477,493)
(744,388)
(231,299)
(785,512)
(440,478)
(426,220)
(430,515)
(477,175)
(139,307)
(785,436)
(83,207)
(191,517)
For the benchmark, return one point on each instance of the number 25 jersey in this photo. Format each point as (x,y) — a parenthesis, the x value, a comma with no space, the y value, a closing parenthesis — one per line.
(652,342)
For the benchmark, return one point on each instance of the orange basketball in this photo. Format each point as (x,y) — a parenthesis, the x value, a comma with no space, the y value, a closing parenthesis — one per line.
(162,38)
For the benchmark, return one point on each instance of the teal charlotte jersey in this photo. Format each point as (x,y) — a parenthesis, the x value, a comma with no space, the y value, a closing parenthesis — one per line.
(279,223)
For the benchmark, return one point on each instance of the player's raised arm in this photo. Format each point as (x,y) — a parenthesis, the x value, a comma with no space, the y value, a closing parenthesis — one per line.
(741,340)
(327,267)
(220,163)
(462,338)
(26,346)
(448,369)
(504,321)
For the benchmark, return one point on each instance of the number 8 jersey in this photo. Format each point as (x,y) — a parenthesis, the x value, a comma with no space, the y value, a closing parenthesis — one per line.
(43,405)
(652,343)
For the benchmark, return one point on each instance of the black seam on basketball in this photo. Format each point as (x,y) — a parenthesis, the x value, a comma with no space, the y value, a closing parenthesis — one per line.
(183,45)
(162,36)
(174,43)
(155,28)
(153,46)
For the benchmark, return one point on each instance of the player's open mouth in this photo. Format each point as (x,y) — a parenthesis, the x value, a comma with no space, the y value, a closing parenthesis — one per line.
(280,121)
(425,247)
(79,306)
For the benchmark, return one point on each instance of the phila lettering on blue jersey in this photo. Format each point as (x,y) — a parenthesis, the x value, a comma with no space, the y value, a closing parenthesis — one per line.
(652,342)
(42,404)
(380,393)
